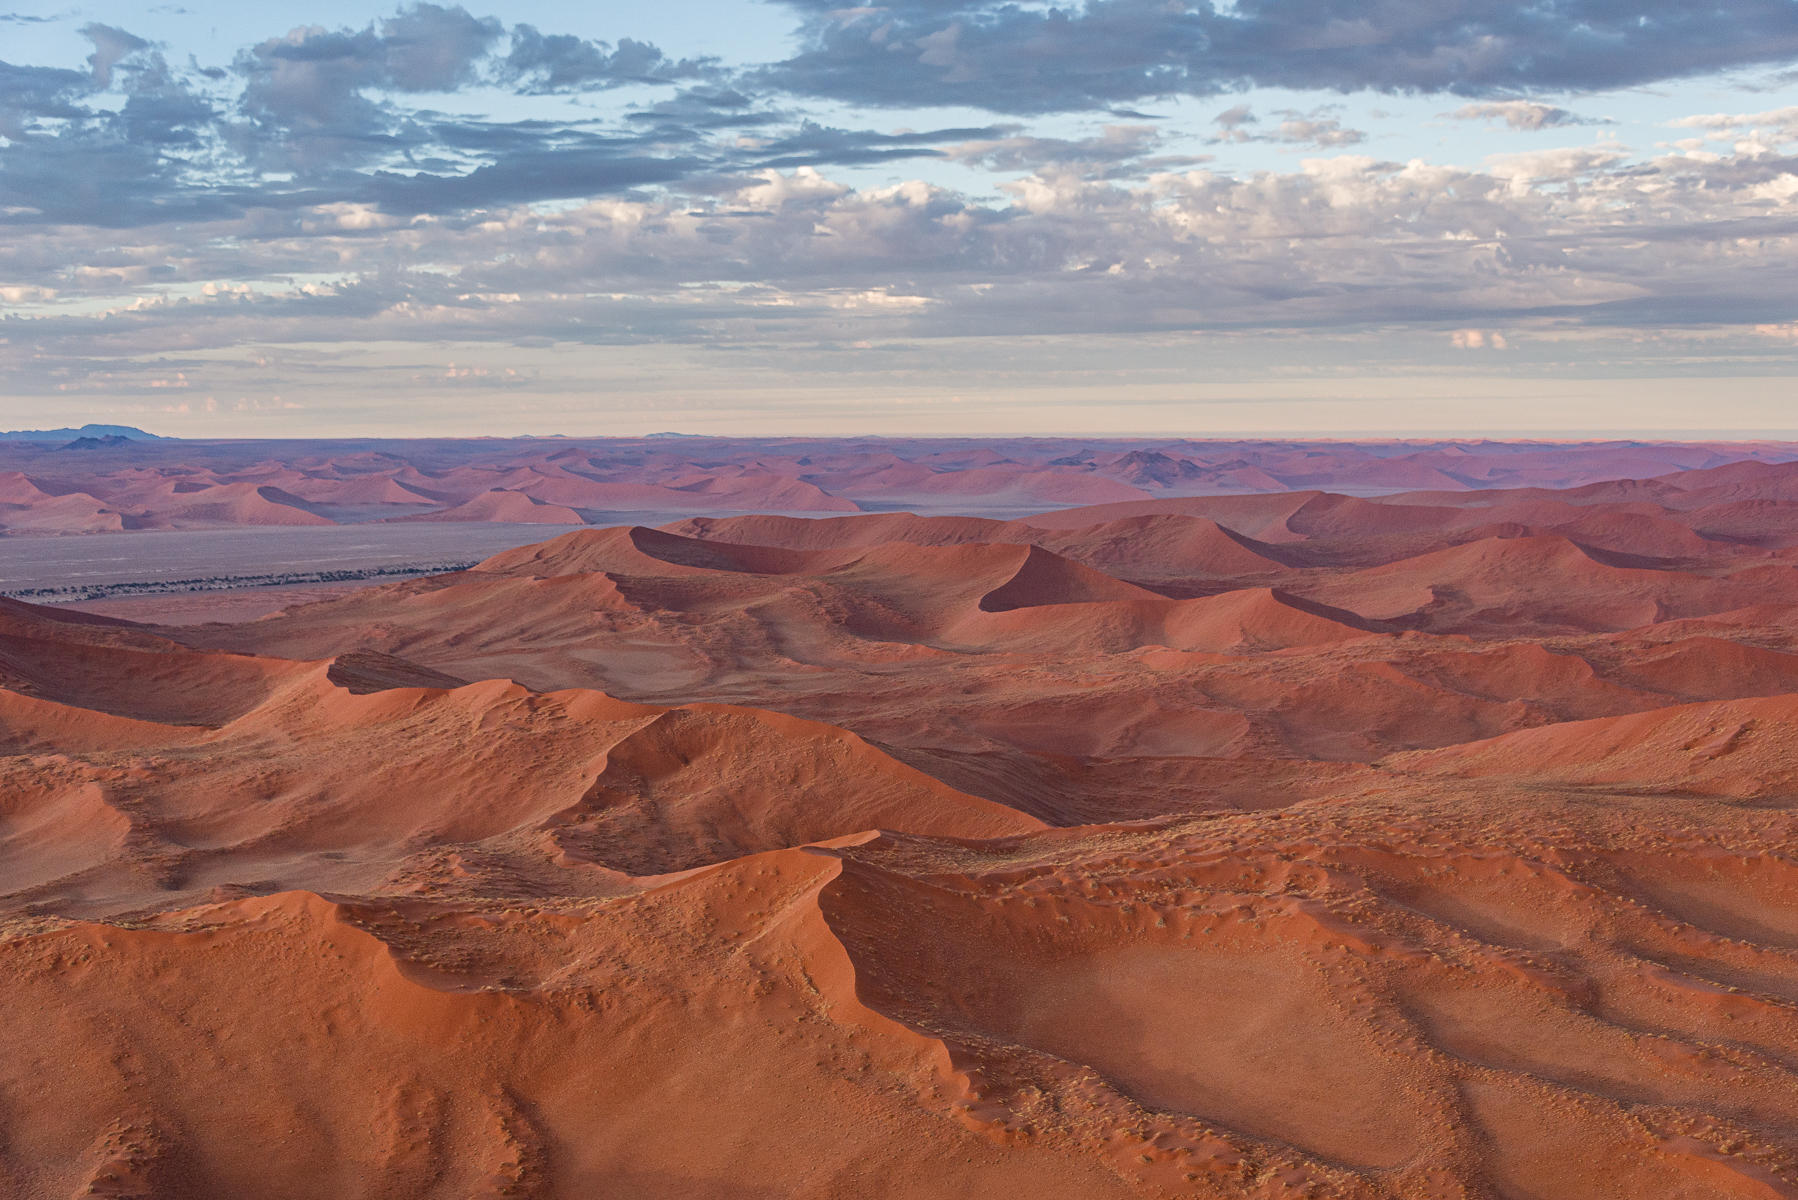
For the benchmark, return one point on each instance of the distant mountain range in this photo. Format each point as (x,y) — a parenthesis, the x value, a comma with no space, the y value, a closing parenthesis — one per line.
(127,432)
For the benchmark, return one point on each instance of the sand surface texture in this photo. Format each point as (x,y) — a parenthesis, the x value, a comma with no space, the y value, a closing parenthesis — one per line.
(1427,846)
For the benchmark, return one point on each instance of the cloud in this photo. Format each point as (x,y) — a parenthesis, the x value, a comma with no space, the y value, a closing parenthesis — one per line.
(69,159)
(526,176)
(1321,132)
(323,192)
(30,96)
(339,116)
(1316,128)
(1560,165)
(1232,119)
(475,376)
(307,96)
(1116,152)
(1762,130)
(111,47)
(543,64)
(818,145)
(318,117)
(1583,236)
(1518,114)
(1018,58)
(424,48)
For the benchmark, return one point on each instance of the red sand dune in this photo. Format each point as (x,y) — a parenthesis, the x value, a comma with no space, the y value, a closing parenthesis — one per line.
(1539,582)
(1742,749)
(1234,847)
(1259,619)
(24,510)
(502,505)
(1045,578)
(372,489)
(173,506)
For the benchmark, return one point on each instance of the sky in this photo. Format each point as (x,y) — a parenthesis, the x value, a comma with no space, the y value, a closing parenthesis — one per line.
(1156,217)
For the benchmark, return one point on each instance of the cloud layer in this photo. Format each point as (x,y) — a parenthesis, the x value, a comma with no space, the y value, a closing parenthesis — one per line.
(440,176)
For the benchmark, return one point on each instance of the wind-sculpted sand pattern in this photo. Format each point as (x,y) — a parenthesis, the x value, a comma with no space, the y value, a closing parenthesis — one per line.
(1265,846)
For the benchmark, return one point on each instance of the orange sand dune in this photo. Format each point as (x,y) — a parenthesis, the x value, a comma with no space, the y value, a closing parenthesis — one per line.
(172,506)
(1540,582)
(324,747)
(1263,517)
(1259,619)
(1755,522)
(338,1013)
(27,508)
(1150,548)
(108,666)
(1275,847)
(365,489)
(813,533)
(501,505)
(1045,578)
(1744,749)
(663,618)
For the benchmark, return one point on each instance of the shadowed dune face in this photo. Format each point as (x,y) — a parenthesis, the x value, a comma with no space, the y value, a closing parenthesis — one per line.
(1255,848)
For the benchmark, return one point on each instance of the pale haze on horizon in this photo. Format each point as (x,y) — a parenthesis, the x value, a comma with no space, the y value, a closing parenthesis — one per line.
(1302,217)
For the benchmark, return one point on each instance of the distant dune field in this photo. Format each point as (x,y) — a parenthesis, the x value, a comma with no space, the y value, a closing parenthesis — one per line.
(118,485)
